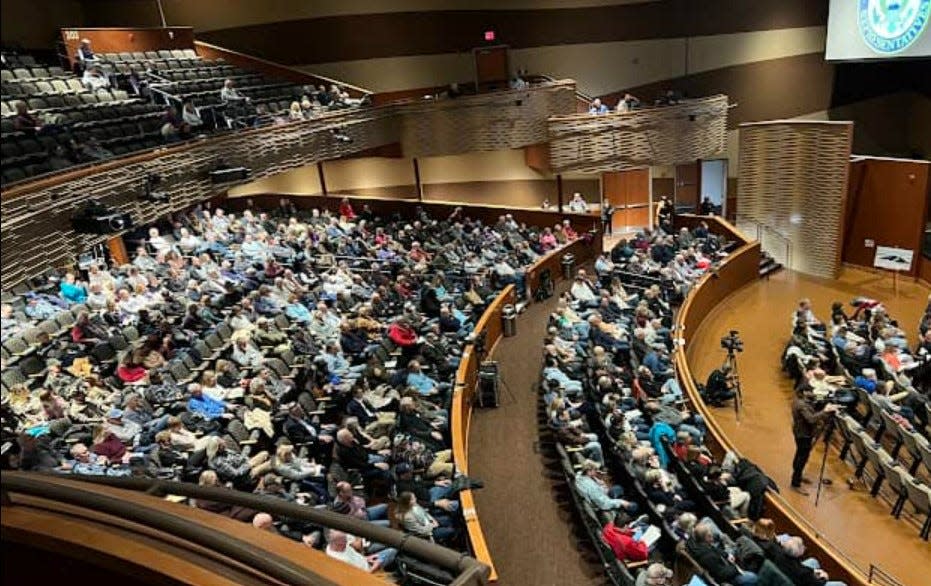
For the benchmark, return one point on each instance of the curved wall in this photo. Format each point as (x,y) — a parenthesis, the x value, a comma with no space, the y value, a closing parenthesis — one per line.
(738,270)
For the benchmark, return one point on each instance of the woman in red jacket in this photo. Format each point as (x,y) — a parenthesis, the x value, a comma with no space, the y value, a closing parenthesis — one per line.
(402,334)
(621,541)
(346,211)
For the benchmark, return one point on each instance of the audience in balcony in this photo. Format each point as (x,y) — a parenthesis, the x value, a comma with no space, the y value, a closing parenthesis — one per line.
(95,79)
(85,54)
(190,116)
(578,205)
(628,103)
(597,107)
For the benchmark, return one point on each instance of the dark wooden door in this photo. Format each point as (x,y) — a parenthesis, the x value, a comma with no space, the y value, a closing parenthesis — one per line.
(688,184)
(491,67)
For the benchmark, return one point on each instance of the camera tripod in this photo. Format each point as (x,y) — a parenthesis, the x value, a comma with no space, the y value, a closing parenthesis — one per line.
(733,376)
(828,432)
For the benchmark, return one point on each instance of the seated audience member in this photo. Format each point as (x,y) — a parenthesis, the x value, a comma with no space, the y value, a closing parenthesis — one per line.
(94,79)
(591,484)
(802,572)
(701,546)
(350,550)
(654,575)
(190,116)
(85,54)
(597,107)
(627,103)
(577,204)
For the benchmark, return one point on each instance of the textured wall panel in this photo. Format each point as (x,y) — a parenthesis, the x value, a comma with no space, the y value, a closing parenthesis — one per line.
(485,122)
(36,227)
(792,189)
(684,133)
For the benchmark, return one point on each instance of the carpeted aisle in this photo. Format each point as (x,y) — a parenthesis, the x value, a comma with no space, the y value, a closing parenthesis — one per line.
(525,516)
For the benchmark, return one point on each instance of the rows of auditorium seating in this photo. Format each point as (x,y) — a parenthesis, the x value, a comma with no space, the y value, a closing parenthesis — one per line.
(613,411)
(210,312)
(84,125)
(883,432)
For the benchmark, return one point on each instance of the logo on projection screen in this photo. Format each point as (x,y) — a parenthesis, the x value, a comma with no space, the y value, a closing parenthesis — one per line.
(891,26)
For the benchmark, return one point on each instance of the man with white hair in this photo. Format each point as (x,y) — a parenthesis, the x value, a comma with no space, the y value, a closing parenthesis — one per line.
(654,575)
(806,572)
(715,560)
(349,549)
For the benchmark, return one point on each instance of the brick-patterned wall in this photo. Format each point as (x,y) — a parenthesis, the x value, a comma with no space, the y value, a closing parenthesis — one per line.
(36,227)
(793,183)
(684,133)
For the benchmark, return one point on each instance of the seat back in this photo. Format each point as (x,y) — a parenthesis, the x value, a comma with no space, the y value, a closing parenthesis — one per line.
(918,494)
(895,476)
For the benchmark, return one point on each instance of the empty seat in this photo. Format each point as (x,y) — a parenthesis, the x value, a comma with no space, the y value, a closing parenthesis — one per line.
(13,376)
(22,73)
(919,496)
(895,475)
(878,458)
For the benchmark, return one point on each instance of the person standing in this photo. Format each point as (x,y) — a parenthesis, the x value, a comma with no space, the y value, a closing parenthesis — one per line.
(806,425)
(607,217)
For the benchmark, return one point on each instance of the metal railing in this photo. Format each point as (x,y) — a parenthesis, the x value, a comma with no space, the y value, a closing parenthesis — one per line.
(468,570)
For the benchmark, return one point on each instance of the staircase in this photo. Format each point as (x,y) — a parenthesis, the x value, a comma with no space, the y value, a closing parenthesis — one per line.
(768,265)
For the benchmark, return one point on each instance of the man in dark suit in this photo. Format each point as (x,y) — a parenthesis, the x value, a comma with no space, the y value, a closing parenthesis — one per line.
(719,564)
(607,217)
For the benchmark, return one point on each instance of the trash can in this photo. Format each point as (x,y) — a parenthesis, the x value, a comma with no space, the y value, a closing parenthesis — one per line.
(568,265)
(509,320)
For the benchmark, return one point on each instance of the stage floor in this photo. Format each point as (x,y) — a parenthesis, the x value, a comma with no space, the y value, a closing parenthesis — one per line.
(860,526)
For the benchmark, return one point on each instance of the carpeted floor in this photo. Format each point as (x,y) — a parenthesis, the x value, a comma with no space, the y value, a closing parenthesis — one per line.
(523,508)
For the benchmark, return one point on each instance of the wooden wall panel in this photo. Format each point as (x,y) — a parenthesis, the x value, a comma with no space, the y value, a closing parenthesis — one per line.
(537,157)
(793,184)
(516,193)
(693,130)
(887,203)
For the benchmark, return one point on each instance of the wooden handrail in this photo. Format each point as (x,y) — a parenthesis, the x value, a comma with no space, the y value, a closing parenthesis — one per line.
(739,269)
(461,414)
(160,527)
(427,551)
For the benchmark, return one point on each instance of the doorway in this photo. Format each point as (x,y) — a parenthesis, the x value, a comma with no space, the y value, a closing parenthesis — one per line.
(714,184)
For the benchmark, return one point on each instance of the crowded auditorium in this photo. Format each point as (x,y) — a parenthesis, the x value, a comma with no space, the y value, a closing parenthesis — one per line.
(461,292)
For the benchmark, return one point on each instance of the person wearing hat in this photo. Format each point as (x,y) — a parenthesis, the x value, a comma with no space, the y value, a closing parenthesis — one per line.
(125,430)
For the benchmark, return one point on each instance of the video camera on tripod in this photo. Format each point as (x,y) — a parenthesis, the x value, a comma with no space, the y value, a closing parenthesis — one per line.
(732,342)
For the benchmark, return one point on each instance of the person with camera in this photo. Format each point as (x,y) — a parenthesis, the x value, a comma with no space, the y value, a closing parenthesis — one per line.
(807,422)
